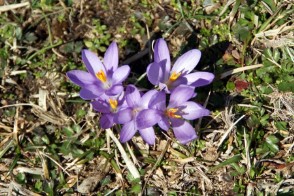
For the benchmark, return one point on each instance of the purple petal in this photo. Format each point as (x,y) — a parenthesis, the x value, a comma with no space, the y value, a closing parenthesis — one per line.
(164,87)
(159,101)
(147,97)
(161,51)
(193,110)
(161,54)
(92,62)
(103,97)
(199,78)
(106,121)
(120,98)
(180,95)
(128,131)
(148,135)
(180,81)
(91,92)
(183,130)
(81,78)
(111,57)
(124,116)
(154,73)
(120,74)
(187,62)
(101,106)
(133,96)
(122,104)
(114,90)
(147,118)
(164,124)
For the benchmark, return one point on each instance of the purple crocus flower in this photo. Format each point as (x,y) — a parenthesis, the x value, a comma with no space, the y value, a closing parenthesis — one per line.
(109,107)
(160,72)
(178,111)
(101,78)
(139,115)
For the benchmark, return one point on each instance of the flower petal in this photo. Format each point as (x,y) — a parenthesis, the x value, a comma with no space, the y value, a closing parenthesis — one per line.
(183,130)
(148,135)
(199,78)
(124,116)
(128,131)
(193,110)
(180,81)
(91,92)
(147,97)
(81,78)
(92,62)
(114,90)
(161,51)
(120,74)
(158,102)
(106,121)
(111,57)
(187,62)
(133,96)
(122,104)
(104,97)
(154,73)
(161,54)
(164,87)
(120,98)
(147,118)
(164,124)
(180,95)
(101,106)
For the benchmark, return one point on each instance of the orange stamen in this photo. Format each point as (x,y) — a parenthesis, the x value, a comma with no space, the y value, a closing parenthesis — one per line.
(101,76)
(171,112)
(113,103)
(174,76)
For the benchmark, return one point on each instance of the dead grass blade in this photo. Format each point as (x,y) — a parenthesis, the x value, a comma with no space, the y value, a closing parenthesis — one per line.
(240,69)
(5,8)
(229,131)
(130,165)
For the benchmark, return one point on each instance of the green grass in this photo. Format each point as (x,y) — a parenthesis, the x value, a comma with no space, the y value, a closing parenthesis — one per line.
(245,146)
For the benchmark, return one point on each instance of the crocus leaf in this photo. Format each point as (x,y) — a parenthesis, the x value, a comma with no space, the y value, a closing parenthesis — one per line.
(234,159)
(271,4)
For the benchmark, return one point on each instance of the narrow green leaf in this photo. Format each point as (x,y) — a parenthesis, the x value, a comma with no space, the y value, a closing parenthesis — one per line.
(234,159)
(271,4)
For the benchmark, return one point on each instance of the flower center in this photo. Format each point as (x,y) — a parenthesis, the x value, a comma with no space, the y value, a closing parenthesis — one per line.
(136,111)
(171,112)
(174,76)
(101,76)
(113,104)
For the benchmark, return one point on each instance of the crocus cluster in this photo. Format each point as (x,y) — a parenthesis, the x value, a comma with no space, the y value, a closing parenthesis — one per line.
(168,105)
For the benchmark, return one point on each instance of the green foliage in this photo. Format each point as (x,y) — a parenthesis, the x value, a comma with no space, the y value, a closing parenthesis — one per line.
(101,39)
(242,30)
(38,186)
(278,69)
(20,178)
(72,47)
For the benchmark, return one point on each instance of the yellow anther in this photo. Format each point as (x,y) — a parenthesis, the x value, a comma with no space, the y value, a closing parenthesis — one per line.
(113,103)
(101,76)
(171,112)
(174,76)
